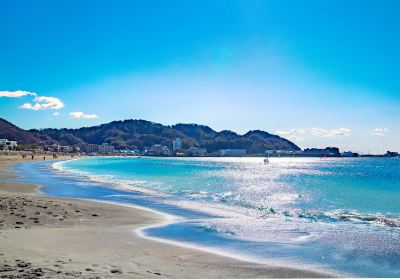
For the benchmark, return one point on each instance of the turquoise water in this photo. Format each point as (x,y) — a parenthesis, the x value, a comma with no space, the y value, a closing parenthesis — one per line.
(330,214)
(364,186)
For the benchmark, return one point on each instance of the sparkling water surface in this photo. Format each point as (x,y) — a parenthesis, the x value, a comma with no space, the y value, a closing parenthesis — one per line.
(332,214)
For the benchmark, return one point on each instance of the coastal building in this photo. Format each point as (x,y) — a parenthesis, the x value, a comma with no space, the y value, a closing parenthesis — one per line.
(232,152)
(181,153)
(277,153)
(105,149)
(347,154)
(158,150)
(176,144)
(134,152)
(283,153)
(269,152)
(12,144)
(197,152)
(327,152)
(64,149)
(391,154)
(8,144)
(91,148)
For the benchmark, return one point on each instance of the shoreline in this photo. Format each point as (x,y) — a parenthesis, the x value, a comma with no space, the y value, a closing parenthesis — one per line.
(137,256)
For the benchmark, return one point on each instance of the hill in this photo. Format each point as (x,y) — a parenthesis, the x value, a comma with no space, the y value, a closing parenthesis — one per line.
(12,132)
(130,134)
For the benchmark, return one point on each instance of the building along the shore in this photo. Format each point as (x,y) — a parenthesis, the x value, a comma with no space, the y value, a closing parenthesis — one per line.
(105,149)
(327,152)
(91,148)
(176,144)
(197,152)
(65,149)
(8,144)
(158,150)
(232,152)
(391,154)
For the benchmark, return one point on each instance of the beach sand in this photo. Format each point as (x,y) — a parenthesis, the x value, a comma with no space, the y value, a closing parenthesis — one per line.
(46,237)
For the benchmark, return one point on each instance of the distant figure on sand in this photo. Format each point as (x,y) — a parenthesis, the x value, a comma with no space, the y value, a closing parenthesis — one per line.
(33,157)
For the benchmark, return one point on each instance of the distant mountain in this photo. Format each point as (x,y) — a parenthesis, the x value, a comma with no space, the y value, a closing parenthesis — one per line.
(129,134)
(12,132)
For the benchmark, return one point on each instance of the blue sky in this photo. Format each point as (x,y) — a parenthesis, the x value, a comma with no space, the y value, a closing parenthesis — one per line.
(318,72)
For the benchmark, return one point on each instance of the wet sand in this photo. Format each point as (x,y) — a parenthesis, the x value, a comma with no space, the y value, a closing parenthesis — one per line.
(46,237)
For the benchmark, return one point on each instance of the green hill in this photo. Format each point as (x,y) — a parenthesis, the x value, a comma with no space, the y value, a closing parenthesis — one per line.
(139,134)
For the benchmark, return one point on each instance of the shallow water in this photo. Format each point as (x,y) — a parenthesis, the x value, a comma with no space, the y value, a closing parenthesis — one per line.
(327,214)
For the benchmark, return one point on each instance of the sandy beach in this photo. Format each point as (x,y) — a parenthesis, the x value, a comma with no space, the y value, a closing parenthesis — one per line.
(46,237)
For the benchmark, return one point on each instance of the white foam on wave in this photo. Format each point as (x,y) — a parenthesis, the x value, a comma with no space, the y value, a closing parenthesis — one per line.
(124,185)
(270,261)
(59,165)
(280,225)
(106,180)
(245,223)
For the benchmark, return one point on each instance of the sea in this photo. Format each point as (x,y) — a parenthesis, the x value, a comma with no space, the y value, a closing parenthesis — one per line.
(334,215)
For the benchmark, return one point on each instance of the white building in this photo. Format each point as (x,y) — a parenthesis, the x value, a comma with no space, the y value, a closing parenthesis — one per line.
(177,144)
(64,149)
(12,144)
(8,144)
(92,148)
(232,152)
(106,149)
(158,150)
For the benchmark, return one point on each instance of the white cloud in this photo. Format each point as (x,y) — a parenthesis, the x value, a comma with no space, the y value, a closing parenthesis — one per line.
(81,115)
(380,131)
(41,102)
(295,134)
(44,103)
(295,138)
(299,134)
(56,113)
(16,94)
(282,132)
(301,131)
(338,132)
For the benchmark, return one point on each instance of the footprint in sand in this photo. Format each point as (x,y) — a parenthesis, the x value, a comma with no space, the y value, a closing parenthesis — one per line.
(88,269)
(115,270)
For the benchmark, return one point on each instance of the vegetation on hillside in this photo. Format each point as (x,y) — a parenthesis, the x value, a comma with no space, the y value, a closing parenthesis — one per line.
(140,134)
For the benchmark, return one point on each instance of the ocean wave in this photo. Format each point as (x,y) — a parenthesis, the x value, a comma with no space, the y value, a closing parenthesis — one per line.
(60,165)
(107,180)
(268,224)
(354,216)
(342,216)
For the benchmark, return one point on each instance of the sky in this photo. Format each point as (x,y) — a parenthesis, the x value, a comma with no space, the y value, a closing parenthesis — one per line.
(320,73)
